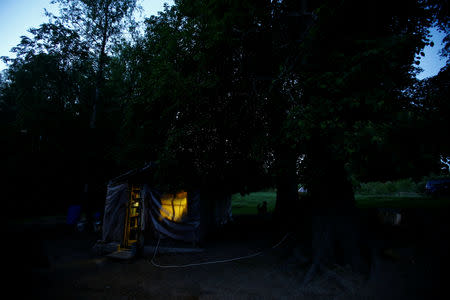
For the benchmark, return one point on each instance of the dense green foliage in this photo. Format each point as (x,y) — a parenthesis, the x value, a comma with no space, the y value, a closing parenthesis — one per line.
(226,95)
(389,187)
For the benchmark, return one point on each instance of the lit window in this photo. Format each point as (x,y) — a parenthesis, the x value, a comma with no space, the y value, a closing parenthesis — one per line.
(174,206)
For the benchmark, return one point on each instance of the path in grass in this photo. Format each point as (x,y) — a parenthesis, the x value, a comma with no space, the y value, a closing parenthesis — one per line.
(248,204)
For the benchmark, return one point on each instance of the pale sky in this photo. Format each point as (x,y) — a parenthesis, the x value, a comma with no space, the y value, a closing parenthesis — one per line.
(432,62)
(17,16)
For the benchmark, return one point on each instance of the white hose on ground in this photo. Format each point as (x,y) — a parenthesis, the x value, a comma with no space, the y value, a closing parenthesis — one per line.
(152,261)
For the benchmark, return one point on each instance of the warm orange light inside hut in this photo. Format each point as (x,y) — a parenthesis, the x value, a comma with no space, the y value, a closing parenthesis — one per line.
(174,206)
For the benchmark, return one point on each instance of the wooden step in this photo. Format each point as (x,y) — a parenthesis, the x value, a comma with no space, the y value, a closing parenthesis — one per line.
(122,254)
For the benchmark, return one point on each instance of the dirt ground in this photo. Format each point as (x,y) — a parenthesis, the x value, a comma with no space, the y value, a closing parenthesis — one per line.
(49,261)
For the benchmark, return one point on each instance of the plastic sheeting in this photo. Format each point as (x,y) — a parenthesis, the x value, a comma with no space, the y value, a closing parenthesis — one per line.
(222,212)
(177,221)
(115,211)
(73,214)
(186,228)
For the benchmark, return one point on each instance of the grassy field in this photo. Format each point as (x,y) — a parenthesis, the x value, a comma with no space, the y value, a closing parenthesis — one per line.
(248,204)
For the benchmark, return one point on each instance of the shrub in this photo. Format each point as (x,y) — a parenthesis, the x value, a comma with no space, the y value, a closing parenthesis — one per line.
(389,187)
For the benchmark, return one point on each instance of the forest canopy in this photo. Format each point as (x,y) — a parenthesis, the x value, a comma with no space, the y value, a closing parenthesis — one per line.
(237,95)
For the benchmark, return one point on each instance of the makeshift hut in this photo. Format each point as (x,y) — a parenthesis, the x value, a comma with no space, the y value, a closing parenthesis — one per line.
(136,211)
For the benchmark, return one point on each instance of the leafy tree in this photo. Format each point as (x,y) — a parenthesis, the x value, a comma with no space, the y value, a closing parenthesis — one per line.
(440,9)
(349,84)
(235,95)
(191,86)
(42,108)
(430,109)
(319,81)
(57,80)
(99,23)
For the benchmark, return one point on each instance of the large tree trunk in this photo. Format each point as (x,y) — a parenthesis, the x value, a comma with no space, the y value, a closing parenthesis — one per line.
(87,193)
(335,225)
(285,213)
